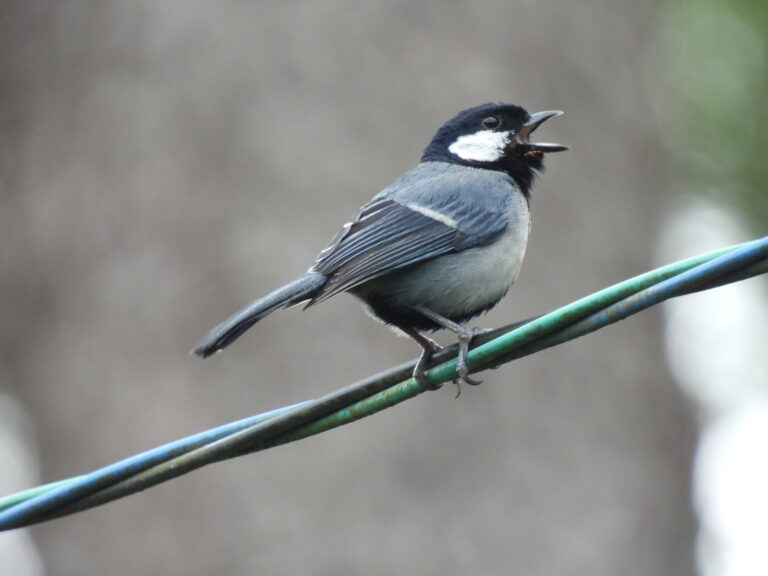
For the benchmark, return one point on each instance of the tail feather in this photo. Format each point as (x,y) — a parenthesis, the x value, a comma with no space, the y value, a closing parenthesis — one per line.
(232,328)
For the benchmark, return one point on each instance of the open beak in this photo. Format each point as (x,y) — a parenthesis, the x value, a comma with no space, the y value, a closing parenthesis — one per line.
(534,122)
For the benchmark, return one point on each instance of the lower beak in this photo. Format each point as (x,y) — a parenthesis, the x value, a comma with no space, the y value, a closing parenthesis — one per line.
(534,122)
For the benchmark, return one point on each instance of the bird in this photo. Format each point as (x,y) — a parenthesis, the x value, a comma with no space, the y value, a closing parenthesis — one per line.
(439,246)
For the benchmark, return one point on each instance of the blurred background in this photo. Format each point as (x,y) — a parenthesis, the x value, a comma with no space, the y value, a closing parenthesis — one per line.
(163,163)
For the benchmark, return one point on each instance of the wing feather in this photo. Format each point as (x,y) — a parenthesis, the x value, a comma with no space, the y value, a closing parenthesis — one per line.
(412,221)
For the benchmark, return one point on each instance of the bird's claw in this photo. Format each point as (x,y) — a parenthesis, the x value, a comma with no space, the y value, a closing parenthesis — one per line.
(462,370)
(419,371)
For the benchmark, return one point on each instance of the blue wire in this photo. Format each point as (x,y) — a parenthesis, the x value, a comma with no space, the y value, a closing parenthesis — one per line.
(32,509)
(673,286)
(88,483)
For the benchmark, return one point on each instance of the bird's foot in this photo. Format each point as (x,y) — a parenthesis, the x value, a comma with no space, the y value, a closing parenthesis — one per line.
(465,336)
(419,371)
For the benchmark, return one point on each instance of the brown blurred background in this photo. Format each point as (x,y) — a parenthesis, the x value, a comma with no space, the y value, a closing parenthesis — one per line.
(162,163)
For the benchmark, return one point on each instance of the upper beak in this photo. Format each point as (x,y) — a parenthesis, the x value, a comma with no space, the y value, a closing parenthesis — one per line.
(534,122)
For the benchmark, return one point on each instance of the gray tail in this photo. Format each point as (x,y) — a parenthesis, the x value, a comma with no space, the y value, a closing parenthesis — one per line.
(232,328)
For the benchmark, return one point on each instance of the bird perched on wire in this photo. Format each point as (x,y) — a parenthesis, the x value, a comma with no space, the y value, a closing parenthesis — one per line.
(440,245)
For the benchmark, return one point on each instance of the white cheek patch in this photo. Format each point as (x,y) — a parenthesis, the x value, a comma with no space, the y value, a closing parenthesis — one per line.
(482,146)
(429,213)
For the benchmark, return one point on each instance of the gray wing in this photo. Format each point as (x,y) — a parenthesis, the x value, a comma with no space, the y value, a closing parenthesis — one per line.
(423,215)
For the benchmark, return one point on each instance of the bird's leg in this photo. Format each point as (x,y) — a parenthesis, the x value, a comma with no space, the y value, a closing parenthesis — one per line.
(429,347)
(464,335)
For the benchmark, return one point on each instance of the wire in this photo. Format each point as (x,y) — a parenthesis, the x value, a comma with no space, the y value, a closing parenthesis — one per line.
(382,390)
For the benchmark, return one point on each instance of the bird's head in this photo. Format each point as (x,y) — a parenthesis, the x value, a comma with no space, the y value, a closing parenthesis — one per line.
(495,137)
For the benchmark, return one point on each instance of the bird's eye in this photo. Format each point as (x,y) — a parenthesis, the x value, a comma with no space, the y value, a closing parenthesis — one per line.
(491,122)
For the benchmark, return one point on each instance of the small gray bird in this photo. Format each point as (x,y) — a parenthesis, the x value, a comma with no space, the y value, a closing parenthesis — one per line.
(440,245)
